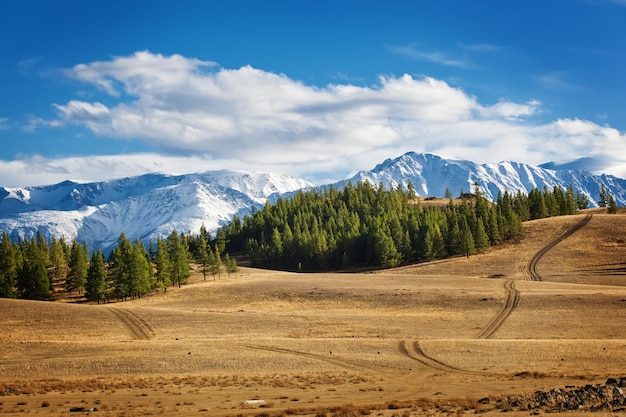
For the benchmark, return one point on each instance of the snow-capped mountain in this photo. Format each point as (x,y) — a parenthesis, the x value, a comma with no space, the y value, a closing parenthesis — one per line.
(431,175)
(143,207)
(153,205)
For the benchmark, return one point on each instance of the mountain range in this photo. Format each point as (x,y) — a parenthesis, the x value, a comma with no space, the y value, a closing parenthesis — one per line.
(153,205)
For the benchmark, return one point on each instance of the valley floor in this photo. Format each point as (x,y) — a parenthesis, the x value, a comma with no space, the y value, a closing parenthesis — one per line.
(426,339)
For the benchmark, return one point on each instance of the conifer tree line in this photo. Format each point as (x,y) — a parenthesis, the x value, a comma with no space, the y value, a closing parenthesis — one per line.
(29,267)
(363,225)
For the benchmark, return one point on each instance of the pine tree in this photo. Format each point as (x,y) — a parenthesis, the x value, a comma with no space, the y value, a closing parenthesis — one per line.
(582,201)
(231,264)
(33,281)
(611,205)
(121,264)
(57,258)
(202,251)
(220,240)
(162,266)
(141,270)
(214,267)
(552,206)
(96,285)
(78,266)
(467,240)
(537,205)
(603,201)
(179,258)
(8,268)
(481,239)
(386,253)
(492,226)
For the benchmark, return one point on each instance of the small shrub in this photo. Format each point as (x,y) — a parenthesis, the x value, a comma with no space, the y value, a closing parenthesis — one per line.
(45,404)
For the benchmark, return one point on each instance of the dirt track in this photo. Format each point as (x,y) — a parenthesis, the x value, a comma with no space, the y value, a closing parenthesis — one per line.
(513,295)
(449,330)
(532,264)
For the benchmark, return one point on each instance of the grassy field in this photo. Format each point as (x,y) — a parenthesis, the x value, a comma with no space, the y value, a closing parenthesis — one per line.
(425,339)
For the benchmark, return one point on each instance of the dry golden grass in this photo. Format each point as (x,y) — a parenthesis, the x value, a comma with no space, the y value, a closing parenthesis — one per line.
(402,342)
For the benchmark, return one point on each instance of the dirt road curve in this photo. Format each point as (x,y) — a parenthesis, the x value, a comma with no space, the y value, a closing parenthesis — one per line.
(513,295)
(532,264)
(140,329)
(415,352)
(512,300)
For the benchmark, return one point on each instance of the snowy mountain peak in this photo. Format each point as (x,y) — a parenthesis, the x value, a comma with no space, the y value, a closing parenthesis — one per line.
(431,175)
(153,205)
(144,207)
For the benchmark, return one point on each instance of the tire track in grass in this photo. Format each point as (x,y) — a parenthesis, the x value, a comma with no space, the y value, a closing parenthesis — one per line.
(532,264)
(414,351)
(513,295)
(512,301)
(141,329)
(345,363)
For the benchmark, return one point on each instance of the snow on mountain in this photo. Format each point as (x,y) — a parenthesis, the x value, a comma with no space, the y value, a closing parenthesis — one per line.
(153,205)
(143,207)
(432,174)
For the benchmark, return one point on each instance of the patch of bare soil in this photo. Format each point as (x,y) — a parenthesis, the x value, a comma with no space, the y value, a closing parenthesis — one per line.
(428,339)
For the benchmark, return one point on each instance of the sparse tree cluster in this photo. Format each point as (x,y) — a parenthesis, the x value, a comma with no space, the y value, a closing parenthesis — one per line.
(607,200)
(29,267)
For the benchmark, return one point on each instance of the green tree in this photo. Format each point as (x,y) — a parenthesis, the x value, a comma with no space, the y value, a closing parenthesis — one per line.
(57,258)
(78,266)
(96,285)
(162,266)
(230,264)
(121,268)
(537,204)
(611,205)
(385,250)
(604,196)
(140,270)
(8,268)
(582,201)
(33,281)
(481,239)
(214,263)
(467,240)
(202,250)
(220,240)
(179,258)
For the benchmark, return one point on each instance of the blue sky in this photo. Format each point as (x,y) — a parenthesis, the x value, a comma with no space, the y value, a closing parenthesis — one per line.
(93,90)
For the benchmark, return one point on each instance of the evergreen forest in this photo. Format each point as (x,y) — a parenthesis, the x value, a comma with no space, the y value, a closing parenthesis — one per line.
(367,226)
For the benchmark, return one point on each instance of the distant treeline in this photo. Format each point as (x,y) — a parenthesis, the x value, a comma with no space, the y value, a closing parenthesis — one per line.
(364,226)
(29,268)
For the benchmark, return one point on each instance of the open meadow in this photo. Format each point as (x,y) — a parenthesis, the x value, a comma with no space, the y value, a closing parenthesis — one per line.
(545,311)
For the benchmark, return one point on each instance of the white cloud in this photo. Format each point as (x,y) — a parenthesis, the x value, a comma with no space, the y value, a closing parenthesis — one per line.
(248,118)
(4,123)
(556,80)
(438,57)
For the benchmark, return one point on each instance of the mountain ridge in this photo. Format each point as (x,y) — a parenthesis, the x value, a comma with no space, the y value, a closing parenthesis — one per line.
(431,175)
(152,205)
